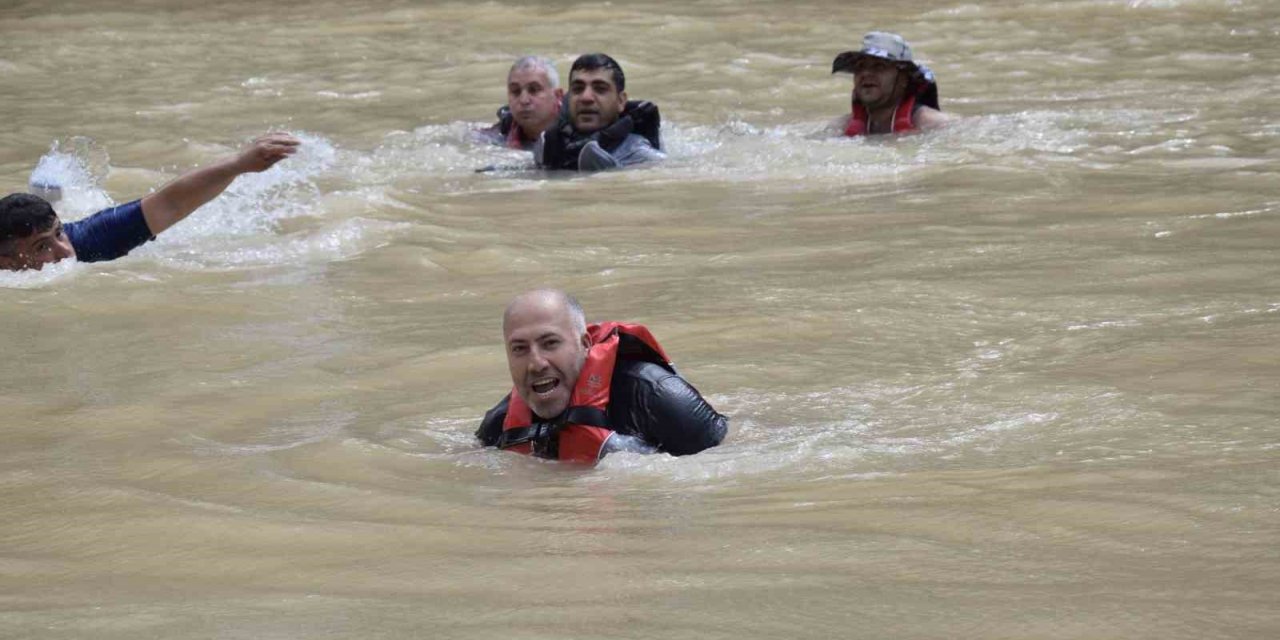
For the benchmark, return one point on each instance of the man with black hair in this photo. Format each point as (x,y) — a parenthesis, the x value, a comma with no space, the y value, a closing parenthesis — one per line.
(31,235)
(601,130)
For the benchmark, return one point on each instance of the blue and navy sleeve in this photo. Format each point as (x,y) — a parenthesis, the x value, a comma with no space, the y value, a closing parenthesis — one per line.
(109,234)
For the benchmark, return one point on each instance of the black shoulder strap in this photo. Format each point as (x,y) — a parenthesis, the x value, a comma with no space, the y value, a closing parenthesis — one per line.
(545,436)
(929,97)
(647,121)
(505,120)
(589,416)
(521,435)
(633,348)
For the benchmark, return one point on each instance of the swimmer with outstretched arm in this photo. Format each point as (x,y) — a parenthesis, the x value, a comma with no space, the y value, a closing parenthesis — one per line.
(31,235)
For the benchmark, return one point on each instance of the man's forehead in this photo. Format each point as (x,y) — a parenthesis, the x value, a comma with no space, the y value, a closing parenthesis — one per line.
(526,329)
(873,62)
(52,231)
(531,317)
(528,75)
(591,75)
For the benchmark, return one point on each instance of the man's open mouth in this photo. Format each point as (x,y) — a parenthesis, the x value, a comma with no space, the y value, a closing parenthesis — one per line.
(543,386)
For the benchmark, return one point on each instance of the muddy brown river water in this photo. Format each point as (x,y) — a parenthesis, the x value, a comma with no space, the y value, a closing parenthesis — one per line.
(1013,379)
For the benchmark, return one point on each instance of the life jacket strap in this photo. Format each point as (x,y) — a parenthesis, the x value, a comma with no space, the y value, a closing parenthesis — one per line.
(589,416)
(544,437)
(520,435)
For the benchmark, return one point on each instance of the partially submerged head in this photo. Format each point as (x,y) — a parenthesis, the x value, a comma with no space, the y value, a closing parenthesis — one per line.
(31,234)
(545,333)
(534,94)
(883,69)
(597,92)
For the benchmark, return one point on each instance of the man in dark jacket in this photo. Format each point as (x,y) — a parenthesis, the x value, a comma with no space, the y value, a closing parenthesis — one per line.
(649,406)
(601,130)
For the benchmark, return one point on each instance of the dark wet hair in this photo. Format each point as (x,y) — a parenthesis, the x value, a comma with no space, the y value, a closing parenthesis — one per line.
(22,214)
(593,61)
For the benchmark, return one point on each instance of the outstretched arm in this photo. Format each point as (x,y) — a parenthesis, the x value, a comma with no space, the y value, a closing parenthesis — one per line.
(179,198)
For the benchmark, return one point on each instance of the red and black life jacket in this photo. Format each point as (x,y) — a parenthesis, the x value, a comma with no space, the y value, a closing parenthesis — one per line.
(511,132)
(583,429)
(903,118)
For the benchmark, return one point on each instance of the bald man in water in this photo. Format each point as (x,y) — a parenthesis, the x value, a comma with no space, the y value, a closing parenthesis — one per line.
(31,235)
(580,392)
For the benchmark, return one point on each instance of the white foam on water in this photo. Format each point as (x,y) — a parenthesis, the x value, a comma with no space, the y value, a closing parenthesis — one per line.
(243,226)
(51,275)
(70,176)
(256,202)
(440,151)
(336,241)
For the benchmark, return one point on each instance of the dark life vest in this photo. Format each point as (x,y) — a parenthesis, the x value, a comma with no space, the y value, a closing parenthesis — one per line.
(643,119)
(580,433)
(646,120)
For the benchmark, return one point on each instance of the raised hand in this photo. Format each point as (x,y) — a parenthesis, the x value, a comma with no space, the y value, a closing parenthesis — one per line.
(265,151)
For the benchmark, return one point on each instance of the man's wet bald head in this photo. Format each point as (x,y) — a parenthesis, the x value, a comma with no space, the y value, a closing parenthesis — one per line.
(546,299)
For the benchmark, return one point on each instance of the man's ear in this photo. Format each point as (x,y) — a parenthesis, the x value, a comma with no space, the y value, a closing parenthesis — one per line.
(622,95)
(559,93)
(586,340)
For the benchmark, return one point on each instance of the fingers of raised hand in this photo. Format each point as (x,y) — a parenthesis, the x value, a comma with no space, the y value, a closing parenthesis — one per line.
(281,144)
(269,149)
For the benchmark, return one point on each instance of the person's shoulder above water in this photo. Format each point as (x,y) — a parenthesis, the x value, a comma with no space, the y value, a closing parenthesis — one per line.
(109,234)
(600,128)
(560,406)
(892,93)
(661,407)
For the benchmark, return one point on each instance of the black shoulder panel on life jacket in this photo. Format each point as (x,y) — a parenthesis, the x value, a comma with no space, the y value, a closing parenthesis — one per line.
(633,348)
(647,120)
(644,115)
(929,96)
(505,120)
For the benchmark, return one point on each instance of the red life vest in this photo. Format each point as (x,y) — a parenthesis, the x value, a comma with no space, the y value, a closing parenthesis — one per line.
(901,118)
(514,140)
(582,434)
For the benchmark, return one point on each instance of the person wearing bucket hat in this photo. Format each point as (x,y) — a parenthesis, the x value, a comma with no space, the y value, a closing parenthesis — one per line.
(892,93)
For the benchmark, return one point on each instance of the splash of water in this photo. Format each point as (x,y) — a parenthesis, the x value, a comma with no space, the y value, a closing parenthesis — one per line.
(70,175)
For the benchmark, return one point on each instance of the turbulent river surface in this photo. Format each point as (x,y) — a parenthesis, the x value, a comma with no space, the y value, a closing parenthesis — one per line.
(1017,378)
